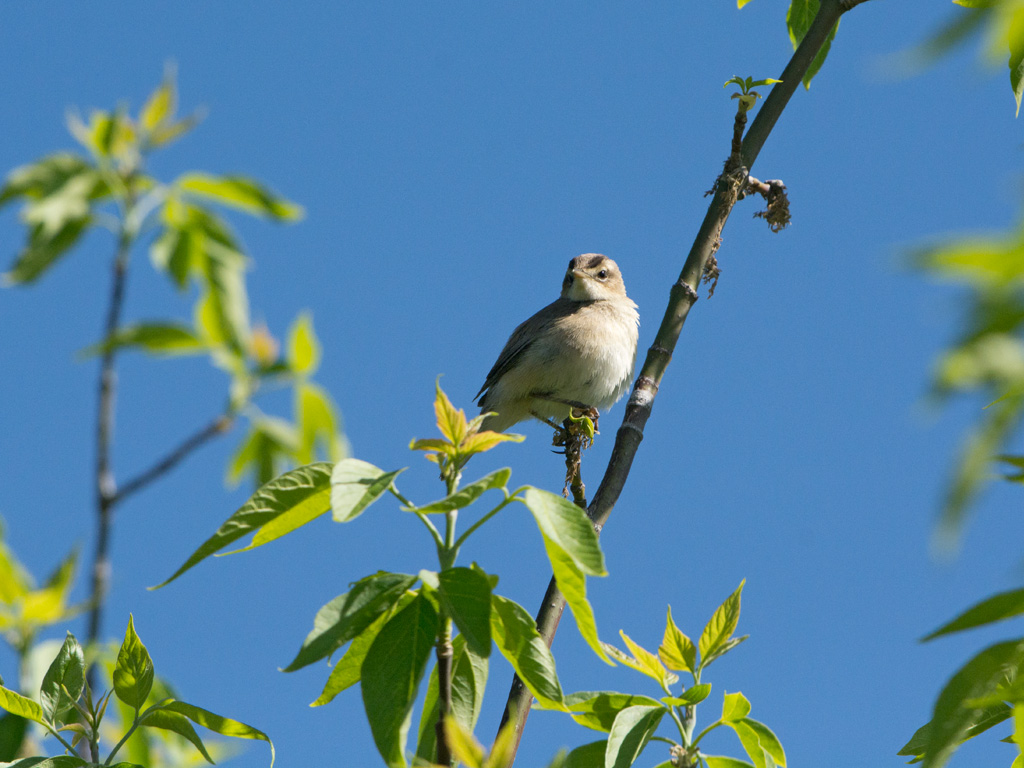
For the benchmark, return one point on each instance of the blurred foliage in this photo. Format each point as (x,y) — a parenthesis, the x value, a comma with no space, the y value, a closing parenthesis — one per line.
(66,194)
(1000,25)
(25,607)
(986,360)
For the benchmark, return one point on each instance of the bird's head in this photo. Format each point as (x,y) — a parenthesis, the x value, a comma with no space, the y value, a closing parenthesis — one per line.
(593,277)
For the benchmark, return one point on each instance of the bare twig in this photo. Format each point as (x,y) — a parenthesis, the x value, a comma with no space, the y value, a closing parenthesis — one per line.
(217,426)
(682,296)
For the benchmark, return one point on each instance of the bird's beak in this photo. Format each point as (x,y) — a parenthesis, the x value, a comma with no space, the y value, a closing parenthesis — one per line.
(580,273)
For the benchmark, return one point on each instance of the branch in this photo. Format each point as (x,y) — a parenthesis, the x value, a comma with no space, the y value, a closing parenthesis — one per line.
(444,691)
(682,296)
(106,486)
(683,292)
(217,426)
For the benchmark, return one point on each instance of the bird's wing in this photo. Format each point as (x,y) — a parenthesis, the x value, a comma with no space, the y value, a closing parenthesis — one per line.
(523,336)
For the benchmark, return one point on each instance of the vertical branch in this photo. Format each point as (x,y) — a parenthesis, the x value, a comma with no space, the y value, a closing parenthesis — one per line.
(682,296)
(106,485)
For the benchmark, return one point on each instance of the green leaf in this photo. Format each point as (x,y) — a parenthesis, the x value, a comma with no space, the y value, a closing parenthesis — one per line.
(647,662)
(44,177)
(355,485)
(981,721)
(66,672)
(723,649)
(466,597)
(19,705)
(302,494)
(160,106)
(974,465)
(734,707)
(133,672)
(263,450)
(568,527)
(572,547)
(226,296)
(677,651)
(317,421)
(996,608)
(798,19)
(303,346)
(466,750)
(242,193)
(155,338)
(12,735)
(225,726)
(587,756)
(978,677)
(469,679)
(171,252)
(716,761)
(348,615)
(1015,38)
(693,695)
(515,633)
(61,761)
(349,668)
(760,752)
(391,675)
(768,740)
(573,586)
(630,733)
(598,709)
(721,626)
(43,249)
(467,494)
(176,723)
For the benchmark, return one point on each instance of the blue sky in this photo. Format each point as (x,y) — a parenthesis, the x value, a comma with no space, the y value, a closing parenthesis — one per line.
(451,159)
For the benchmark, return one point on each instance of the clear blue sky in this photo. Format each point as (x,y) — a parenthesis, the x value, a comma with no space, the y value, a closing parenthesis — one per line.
(451,159)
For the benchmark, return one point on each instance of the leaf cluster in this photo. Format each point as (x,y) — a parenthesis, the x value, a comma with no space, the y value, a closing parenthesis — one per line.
(25,607)
(987,359)
(68,710)
(983,693)
(999,23)
(632,720)
(391,621)
(67,194)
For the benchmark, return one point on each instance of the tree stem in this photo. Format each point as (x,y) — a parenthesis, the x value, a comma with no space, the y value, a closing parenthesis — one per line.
(444,690)
(106,485)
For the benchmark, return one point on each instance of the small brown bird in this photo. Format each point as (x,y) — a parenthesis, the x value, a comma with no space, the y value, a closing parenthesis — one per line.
(577,352)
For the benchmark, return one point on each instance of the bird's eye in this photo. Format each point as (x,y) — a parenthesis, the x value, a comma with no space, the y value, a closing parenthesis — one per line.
(603,274)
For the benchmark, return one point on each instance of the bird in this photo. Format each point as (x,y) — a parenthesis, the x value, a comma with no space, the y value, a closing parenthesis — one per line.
(577,352)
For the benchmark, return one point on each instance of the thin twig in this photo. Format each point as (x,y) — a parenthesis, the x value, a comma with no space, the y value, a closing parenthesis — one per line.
(217,426)
(682,296)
